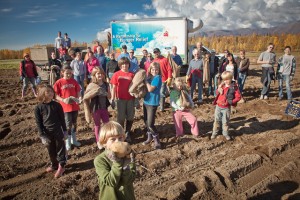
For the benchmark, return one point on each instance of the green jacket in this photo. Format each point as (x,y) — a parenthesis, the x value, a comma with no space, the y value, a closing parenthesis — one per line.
(114,182)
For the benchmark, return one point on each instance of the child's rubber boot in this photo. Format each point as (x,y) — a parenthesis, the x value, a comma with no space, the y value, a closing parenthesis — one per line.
(59,171)
(68,143)
(74,140)
(157,144)
(149,138)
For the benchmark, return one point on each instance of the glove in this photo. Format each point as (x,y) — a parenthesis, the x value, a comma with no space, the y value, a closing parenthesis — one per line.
(220,90)
(45,141)
(113,104)
(169,81)
(113,157)
(291,78)
(79,100)
(132,157)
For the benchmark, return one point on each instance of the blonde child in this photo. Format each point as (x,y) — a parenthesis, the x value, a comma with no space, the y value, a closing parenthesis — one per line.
(51,125)
(115,175)
(151,102)
(228,95)
(96,100)
(179,110)
(68,95)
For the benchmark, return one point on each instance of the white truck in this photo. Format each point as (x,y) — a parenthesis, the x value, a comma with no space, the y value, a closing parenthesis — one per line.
(150,33)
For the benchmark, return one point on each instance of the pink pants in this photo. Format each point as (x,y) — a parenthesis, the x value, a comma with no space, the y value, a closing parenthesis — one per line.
(101,114)
(190,118)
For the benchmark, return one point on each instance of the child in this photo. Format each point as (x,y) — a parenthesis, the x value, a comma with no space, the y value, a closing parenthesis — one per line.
(95,100)
(62,53)
(28,74)
(151,102)
(180,110)
(228,95)
(51,125)
(115,176)
(125,102)
(68,91)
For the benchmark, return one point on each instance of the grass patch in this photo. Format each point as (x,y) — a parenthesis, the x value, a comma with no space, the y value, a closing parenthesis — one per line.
(10,64)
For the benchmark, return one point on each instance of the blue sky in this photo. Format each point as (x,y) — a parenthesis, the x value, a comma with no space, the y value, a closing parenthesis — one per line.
(27,22)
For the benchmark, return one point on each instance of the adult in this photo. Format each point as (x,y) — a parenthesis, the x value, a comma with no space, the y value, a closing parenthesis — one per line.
(134,64)
(195,72)
(166,75)
(55,64)
(231,66)
(79,71)
(148,62)
(243,69)
(177,59)
(67,41)
(107,56)
(97,44)
(86,57)
(286,71)
(124,53)
(111,66)
(267,59)
(28,73)
(199,46)
(213,69)
(224,57)
(101,57)
(58,41)
(143,59)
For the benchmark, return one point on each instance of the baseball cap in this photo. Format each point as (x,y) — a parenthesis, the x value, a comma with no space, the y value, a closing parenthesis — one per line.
(124,46)
(156,50)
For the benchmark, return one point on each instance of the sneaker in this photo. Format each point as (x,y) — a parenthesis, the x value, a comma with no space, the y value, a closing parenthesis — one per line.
(266,97)
(227,137)
(261,97)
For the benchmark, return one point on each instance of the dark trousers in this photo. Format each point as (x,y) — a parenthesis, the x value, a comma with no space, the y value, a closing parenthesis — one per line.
(57,149)
(71,121)
(149,117)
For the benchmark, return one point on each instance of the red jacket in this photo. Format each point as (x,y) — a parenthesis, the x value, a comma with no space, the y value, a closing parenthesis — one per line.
(230,96)
(28,69)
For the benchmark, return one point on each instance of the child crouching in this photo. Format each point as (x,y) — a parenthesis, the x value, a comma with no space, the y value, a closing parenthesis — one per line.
(51,125)
(227,95)
(181,104)
(116,173)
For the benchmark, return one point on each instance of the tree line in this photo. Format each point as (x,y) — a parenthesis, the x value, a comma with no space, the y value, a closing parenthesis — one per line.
(253,42)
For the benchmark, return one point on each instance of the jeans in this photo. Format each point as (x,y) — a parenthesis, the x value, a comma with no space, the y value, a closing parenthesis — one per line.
(222,116)
(149,117)
(71,121)
(163,90)
(266,85)
(281,79)
(216,81)
(241,81)
(195,80)
(211,87)
(125,110)
(26,80)
(80,81)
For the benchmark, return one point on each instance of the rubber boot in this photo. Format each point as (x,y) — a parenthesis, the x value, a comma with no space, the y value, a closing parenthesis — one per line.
(127,132)
(74,140)
(149,138)
(157,144)
(68,143)
(162,104)
(59,171)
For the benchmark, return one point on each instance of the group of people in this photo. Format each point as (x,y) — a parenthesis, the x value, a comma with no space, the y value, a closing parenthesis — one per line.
(110,82)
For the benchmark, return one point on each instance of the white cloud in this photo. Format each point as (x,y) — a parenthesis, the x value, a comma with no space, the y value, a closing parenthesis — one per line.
(147,6)
(228,14)
(6,9)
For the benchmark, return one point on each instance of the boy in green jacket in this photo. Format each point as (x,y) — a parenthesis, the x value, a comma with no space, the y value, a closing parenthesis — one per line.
(115,174)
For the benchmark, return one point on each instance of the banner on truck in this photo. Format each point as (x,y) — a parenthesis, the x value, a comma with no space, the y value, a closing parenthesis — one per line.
(139,35)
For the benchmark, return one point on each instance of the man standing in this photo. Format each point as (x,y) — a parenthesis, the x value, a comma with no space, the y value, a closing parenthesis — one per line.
(166,75)
(213,70)
(267,59)
(124,53)
(134,66)
(58,41)
(177,59)
(144,59)
(285,72)
(101,57)
(67,42)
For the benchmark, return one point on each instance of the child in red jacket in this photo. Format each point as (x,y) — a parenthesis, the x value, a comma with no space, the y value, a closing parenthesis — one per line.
(227,95)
